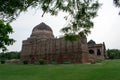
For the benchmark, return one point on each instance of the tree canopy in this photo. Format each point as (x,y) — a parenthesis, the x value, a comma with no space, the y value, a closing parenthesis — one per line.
(117,3)
(80,13)
(5,40)
(113,53)
(10,9)
(10,55)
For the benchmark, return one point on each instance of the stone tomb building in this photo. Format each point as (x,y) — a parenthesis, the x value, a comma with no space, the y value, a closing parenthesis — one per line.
(43,45)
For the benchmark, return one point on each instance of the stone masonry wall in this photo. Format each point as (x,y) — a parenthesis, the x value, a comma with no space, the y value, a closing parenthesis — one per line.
(58,50)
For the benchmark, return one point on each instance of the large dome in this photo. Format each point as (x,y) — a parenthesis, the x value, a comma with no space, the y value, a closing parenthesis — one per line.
(42,26)
(42,31)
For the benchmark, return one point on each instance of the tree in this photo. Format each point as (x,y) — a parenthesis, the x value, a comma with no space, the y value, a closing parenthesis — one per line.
(117,3)
(5,40)
(10,55)
(113,53)
(80,13)
(10,9)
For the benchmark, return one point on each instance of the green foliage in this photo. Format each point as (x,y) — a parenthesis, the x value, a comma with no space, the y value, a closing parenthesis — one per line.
(5,40)
(2,61)
(71,37)
(42,61)
(19,62)
(54,62)
(67,62)
(25,62)
(117,4)
(10,55)
(80,12)
(113,53)
(10,9)
(79,19)
(36,63)
(99,61)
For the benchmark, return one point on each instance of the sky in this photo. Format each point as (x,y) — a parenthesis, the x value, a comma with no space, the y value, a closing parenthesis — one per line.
(106,26)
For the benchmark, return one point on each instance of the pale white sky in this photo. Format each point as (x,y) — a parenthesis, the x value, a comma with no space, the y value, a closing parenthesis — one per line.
(106,26)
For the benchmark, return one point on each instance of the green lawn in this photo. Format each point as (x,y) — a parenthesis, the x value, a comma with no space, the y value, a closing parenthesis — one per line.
(107,70)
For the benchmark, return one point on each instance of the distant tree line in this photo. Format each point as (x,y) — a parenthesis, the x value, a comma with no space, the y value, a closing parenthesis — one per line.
(113,53)
(10,55)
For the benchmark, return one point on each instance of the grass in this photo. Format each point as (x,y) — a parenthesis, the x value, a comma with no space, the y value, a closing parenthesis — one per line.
(107,70)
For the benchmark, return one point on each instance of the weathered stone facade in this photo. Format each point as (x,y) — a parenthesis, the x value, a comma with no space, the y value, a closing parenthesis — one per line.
(97,50)
(43,45)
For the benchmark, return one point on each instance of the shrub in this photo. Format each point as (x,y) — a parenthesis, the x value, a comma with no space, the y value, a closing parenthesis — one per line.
(53,62)
(42,61)
(25,62)
(113,53)
(19,62)
(99,60)
(67,62)
(36,63)
(2,61)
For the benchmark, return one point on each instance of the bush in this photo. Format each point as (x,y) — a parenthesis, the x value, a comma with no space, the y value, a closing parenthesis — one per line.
(67,62)
(25,62)
(19,62)
(36,63)
(113,53)
(2,61)
(53,62)
(42,61)
(99,60)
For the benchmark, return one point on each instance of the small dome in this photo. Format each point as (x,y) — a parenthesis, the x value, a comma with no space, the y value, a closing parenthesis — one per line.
(42,26)
(91,42)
